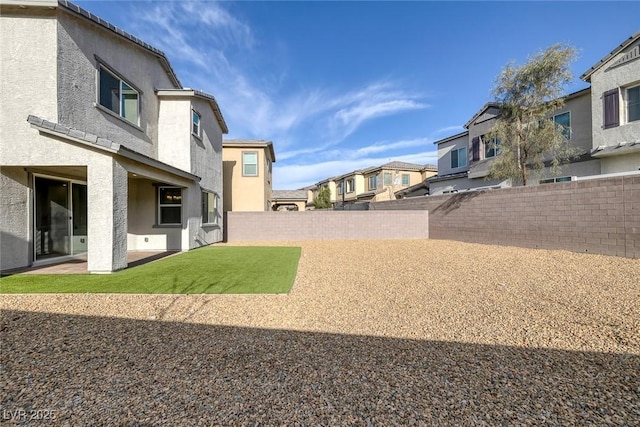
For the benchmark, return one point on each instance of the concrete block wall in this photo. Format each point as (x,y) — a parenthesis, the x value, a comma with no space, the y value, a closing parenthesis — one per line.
(596,216)
(326,225)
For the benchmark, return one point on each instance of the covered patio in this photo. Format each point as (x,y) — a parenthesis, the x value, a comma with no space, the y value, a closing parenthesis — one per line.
(79,265)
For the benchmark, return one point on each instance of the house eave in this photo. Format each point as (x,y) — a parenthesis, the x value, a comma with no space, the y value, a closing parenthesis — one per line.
(586,76)
(194,93)
(620,149)
(105,145)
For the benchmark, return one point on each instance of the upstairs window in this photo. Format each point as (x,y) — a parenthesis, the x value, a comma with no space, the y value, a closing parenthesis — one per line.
(340,189)
(169,205)
(387,178)
(564,121)
(209,208)
(633,104)
(250,163)
(351,185)
(491,146)
(195,123)
(118,96)
(459,158)
(373,182)
(405,179)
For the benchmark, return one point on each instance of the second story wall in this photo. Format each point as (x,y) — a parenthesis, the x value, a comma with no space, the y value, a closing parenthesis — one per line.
(28,66)
(174,132)
(247,177)
(450,162)
(83,48)
(207,149)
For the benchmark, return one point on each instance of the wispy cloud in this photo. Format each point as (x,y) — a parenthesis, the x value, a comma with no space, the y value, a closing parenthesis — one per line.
(216,51)
(383,147)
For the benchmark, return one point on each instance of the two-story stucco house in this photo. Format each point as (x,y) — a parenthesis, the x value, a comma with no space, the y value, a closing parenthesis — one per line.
(374,183)
(464,159)
(615,101)
(102,150)
(248,174)
(602,123)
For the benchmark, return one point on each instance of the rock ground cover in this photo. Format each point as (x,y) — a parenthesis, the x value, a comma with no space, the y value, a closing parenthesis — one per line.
(372,333)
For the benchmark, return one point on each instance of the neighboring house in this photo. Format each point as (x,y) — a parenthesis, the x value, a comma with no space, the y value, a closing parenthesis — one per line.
(289,200)
(602,122)
(329,183)
(375,183)
(248,168)
(420,189)
(464,159)
(615,99)
(102,150)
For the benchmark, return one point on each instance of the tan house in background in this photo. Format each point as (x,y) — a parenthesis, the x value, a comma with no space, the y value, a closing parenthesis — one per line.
(375,183)
(247,174)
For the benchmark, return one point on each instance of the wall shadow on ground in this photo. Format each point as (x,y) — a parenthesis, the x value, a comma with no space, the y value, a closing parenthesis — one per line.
(112,371)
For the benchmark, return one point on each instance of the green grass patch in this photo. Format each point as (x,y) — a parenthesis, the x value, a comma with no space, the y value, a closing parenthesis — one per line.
(208,270)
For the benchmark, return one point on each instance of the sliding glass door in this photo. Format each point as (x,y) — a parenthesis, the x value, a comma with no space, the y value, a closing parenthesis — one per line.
(60,218)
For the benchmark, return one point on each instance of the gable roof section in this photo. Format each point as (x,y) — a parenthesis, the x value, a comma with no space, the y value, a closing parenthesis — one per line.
(198,94)
(482,111)
(251,143)
(289,195)
(451,138)
(84,14)
(587,74)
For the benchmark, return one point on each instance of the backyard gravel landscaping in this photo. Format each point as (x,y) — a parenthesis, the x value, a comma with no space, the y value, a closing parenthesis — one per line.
(411,332)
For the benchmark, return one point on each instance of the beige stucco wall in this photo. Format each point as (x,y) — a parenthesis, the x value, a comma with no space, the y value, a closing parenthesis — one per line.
(245,193)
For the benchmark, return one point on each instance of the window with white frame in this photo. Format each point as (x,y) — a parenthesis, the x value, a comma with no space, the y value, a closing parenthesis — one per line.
(209,208)
(373,182)
(491,146)
(169,205)
(387,178)
(564,121)
(405,179)
(351,185)
(249,163)
(633,103)
(118,96)
(195,123)
(459,158)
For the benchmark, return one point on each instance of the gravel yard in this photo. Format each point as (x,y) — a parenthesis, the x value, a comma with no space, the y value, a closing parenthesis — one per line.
(425,332)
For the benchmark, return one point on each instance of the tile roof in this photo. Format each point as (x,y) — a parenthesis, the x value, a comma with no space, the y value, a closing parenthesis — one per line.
(77,10)
(104,144)
(73,133)
(289,195)
(251,143)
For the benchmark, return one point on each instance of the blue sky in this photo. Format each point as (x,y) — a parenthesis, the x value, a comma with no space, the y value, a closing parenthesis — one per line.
(339,86)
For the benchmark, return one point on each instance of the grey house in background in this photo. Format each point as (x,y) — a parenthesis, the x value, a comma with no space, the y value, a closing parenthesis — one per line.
(102,150)
(602,121)
(615,97)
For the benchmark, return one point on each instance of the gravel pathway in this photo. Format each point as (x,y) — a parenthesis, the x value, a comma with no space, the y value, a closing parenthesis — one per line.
(373,333)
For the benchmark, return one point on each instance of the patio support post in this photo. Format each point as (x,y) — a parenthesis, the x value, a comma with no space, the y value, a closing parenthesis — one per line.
(107,213)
